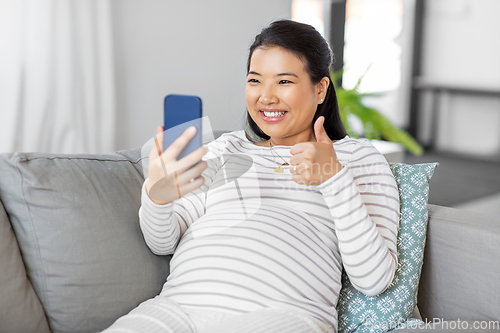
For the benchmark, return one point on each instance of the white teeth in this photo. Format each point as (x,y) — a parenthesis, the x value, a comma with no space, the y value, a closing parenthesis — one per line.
(274,114)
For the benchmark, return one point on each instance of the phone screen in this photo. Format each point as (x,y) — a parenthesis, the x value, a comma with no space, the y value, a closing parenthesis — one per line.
(181,112)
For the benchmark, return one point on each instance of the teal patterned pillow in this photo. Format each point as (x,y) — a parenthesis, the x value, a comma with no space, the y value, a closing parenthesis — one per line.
(361,313)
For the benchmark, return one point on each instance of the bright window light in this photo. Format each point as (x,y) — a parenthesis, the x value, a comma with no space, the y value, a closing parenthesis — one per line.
(371,30)
(310,12)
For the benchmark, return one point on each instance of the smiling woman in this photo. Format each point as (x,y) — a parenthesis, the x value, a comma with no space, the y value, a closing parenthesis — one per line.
(261,248)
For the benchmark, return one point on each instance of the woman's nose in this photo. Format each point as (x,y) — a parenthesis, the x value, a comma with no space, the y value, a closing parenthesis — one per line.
(268,96)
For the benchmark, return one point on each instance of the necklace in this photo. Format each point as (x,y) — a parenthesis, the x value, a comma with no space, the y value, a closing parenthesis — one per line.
(279,169)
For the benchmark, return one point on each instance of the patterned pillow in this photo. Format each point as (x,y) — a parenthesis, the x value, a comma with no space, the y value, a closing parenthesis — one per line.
(361,313)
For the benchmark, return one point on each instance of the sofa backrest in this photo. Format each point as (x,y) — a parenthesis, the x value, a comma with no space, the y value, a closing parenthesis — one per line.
(76,222)
(461,266)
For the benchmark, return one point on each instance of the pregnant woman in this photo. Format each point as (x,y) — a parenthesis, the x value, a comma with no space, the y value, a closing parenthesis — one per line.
(261,221)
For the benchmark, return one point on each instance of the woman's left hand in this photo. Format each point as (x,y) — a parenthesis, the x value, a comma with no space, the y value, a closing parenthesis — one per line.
(313,163)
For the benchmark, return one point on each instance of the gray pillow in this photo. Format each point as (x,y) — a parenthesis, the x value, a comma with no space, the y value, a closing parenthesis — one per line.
(20,308)
(77,225)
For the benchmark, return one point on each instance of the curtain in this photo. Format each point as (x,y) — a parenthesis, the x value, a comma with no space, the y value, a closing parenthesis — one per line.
(57,90)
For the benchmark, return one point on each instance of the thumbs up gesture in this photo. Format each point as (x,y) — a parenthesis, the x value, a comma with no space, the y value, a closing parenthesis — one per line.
(313,163)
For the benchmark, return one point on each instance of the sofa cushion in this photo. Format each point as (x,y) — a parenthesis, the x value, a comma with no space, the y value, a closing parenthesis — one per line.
(77,225)
(361,313)
(20,308)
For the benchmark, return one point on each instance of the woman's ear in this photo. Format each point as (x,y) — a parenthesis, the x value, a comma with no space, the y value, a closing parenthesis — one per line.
(322,89)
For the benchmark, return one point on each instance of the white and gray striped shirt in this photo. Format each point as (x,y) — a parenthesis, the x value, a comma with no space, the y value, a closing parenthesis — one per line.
(251,238)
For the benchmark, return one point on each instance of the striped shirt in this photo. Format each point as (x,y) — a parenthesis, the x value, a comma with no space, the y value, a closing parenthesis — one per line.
(250,238)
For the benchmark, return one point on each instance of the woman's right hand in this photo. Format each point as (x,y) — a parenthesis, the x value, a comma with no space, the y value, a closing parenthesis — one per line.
(162,185)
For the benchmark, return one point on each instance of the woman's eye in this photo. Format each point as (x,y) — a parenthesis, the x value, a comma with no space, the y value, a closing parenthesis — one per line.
(285,81)
(253,81)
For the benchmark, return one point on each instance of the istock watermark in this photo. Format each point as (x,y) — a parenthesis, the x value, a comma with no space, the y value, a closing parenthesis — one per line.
(372,324)
(463,324)
(436,323)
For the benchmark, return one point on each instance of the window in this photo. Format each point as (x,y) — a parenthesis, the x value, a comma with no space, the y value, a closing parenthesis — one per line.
(371,32)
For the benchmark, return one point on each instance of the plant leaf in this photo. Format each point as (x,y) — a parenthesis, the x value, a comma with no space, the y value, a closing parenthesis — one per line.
(375,124)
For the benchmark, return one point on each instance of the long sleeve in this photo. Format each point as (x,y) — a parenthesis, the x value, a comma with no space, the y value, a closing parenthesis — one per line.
(164,225)
(364,202)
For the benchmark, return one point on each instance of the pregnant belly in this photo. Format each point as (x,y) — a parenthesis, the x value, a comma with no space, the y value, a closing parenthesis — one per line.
(265,255)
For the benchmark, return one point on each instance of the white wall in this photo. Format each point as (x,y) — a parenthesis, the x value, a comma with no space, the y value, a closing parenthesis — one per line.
(185,47)
(461,47)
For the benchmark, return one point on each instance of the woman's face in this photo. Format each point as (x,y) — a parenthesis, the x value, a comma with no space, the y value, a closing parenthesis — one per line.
(280,96)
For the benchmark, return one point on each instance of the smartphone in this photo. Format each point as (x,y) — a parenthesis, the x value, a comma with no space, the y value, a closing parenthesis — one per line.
(181,112)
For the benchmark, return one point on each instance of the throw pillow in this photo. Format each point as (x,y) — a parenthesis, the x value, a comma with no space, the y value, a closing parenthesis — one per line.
(21,310)
(361,313)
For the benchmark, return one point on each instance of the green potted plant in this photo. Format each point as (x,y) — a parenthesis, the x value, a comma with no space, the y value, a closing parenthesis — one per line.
(375,125)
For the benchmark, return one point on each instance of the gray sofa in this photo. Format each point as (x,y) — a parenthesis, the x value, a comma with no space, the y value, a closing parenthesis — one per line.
(73,259)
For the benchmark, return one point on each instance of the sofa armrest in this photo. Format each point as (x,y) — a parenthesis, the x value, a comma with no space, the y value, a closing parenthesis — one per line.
(460,271)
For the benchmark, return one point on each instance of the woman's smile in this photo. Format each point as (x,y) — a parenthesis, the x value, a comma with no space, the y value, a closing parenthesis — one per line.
(272,115)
